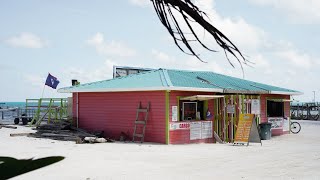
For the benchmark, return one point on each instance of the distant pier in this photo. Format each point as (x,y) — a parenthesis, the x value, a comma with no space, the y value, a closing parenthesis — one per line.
(305,111)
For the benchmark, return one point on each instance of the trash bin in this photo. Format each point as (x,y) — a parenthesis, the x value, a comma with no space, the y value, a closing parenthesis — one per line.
(265,131)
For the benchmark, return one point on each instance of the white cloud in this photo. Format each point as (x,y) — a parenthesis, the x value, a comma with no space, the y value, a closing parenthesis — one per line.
(195,64)
(26,40)
(35,84)
(162,57)
(251,39)
(35,80)
(247,37)
(244,35)
(277,61)
(141,3)
(84,75)
(164,60)
(298,11)
(299,60)
(110,48)
(259,61)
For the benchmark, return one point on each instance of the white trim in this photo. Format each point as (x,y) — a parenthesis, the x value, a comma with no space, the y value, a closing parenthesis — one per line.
(286,93)
(74,89)
(280,100)
(201,97)
(71,90)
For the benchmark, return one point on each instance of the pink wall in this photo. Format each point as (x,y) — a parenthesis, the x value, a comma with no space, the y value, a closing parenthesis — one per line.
(115,112)
(263,116)
(183,136)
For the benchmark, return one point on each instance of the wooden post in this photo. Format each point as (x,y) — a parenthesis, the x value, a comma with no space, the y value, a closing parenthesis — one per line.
(215,114)
(167,119)
(236,113)
(226,124)
(224,119)
(231,123)
(242,104)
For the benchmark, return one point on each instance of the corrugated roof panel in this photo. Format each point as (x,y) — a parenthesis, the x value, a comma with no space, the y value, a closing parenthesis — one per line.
(140,80)
(188,79)
(164,79)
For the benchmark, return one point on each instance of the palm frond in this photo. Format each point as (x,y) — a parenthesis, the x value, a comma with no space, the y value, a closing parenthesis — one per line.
(190,14)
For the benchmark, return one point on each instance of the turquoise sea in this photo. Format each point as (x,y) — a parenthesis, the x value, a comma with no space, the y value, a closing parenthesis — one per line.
(7,117)
(22,104)
(12,104)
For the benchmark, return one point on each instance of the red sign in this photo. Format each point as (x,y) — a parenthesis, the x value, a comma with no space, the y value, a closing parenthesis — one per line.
(179,125)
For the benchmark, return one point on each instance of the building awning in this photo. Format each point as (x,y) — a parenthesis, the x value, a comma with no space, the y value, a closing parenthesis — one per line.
(201,97)
(280,100)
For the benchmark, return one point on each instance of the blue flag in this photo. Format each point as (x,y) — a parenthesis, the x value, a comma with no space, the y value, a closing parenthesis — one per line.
(52,81)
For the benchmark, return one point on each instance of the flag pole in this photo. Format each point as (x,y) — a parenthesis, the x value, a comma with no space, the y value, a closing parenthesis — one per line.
(43,91)
(44,86)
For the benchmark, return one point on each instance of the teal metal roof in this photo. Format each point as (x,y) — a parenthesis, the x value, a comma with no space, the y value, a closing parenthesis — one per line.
(227,83)
(163,79)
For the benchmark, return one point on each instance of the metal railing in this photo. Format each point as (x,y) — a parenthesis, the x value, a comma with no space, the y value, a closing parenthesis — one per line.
(304,111)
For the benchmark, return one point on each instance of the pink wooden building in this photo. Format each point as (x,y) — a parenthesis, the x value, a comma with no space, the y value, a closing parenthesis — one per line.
(185,106)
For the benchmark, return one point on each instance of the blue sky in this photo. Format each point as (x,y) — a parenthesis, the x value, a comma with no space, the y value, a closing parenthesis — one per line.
(82,40)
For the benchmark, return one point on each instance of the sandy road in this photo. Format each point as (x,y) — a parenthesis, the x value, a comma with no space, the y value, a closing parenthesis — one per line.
(293,156)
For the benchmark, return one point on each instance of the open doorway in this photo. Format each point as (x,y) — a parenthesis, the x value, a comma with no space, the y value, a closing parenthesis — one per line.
(275,108)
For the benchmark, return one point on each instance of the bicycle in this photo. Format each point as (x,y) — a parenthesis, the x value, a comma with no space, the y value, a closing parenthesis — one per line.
(295,127)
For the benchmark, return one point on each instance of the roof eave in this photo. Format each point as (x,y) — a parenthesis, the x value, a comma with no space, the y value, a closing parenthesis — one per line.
(231,91)
(141,89)
(286,92)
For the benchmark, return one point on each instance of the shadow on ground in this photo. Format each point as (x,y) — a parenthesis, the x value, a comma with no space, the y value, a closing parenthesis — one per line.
(11,167)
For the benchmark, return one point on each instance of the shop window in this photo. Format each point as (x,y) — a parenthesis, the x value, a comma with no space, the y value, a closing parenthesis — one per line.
(247,106)
(191,110)
(275,109)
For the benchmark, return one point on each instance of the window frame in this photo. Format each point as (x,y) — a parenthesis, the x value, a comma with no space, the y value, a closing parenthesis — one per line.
(189,102)
(283,110)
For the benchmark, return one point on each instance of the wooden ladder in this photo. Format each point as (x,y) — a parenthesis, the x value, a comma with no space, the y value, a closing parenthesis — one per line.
(139,122)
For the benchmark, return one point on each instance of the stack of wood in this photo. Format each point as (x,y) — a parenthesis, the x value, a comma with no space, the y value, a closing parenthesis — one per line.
(65,132)
(7,126)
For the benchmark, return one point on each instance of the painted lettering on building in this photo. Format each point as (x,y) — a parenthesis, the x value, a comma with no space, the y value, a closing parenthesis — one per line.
(179,125)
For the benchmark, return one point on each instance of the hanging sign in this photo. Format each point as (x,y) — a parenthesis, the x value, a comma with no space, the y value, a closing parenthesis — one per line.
(255,106)
(247,130)
(195,130)
(286,124)
(206,129)
(200,130)
(174,113)
(276,122)
(230,108)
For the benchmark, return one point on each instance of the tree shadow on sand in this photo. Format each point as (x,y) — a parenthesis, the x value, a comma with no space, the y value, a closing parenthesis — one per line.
(11,167)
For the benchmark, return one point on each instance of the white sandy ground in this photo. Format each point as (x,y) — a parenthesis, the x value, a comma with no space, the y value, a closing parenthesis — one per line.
(293,156)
